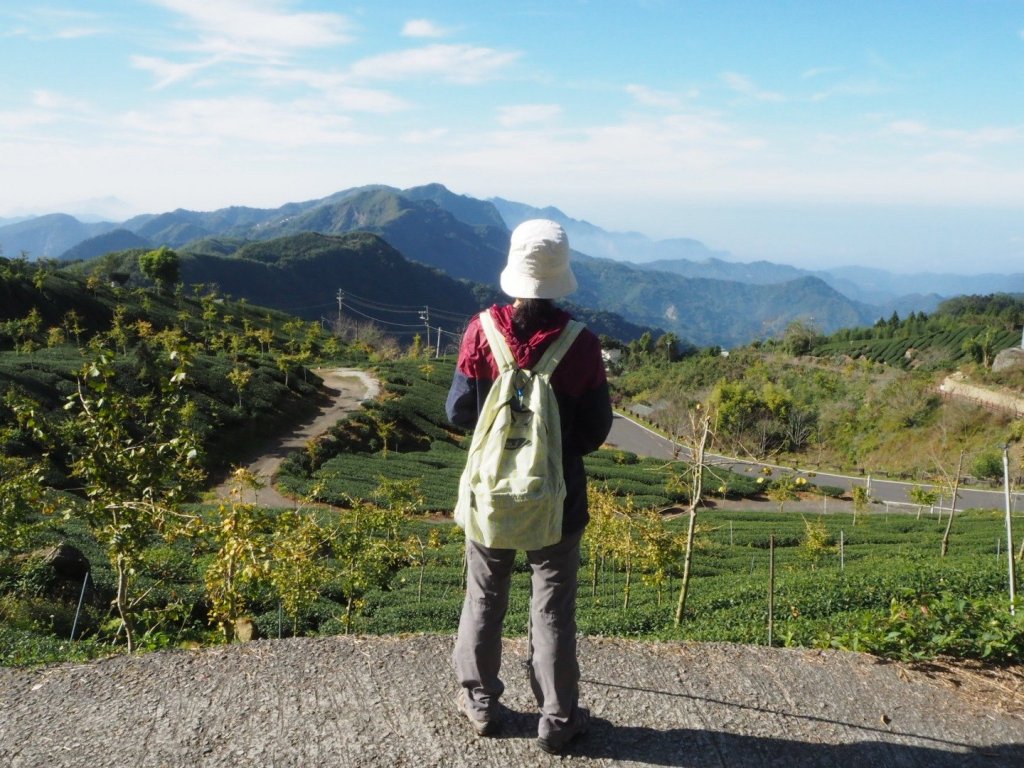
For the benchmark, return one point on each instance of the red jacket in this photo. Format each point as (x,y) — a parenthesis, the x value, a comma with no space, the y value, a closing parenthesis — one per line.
(580,386)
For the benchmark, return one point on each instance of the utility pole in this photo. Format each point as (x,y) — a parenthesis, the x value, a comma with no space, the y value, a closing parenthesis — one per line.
(425,317)
(341,304)
(1009,527)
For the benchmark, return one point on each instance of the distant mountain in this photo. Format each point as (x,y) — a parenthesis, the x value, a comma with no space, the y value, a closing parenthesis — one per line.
(713,312)
(47,236)
(594,241)
(755,273)
(420,229)
(678,284)
(691,258)
(876,283)
(302,273)
(469,210)
(115,240)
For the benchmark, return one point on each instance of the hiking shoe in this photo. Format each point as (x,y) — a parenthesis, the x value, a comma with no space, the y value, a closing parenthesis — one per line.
(555,743)
(483,726)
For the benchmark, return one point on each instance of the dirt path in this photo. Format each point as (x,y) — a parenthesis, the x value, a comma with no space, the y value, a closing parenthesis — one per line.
(956,385)
(385,701)
(348,388)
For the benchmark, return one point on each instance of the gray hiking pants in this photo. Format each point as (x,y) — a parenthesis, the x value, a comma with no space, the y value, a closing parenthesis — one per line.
(553,668)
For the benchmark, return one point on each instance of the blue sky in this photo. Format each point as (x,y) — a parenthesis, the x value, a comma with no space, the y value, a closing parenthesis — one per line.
(886,134)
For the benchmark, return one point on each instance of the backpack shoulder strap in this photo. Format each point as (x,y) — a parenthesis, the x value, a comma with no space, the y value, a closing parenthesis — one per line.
(499,347)
(553,354)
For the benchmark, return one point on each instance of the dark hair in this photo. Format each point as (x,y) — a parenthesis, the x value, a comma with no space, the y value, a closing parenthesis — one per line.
(531,315)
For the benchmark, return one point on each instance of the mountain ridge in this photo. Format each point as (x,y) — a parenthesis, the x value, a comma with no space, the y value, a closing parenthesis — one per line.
(706,299)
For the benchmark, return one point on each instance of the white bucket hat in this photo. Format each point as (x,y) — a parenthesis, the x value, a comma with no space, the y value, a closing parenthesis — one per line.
(538,262)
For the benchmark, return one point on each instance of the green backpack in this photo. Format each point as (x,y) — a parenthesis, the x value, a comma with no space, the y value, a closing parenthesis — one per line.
(512,489)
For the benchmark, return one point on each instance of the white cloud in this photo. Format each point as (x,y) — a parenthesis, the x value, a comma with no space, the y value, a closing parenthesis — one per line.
(744,86)
(650,97)
(56,23)
(908,128)
(948,159)
(52,100)
(241,119)
(258,28)
(424,137)
(455,63)
(336,88)
(524,114)
(170,72)
(422,28)
(17,121)
(976,137)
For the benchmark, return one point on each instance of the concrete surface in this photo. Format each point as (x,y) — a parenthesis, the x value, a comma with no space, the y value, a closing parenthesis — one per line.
(386,701)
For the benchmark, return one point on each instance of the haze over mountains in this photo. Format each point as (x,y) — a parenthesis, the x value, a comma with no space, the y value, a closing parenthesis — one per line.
(677,285)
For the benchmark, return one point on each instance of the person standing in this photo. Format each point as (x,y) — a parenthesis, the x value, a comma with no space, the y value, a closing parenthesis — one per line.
(537,272)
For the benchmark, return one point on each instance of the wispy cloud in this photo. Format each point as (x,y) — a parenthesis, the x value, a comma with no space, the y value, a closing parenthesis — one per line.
(423,28)
(424,136)
(55,23)
(257,28)
(649,97)
(170,72)
(241,120)
(454,63)
(852,87)
(744,86)
(335,87)
(976,137)
(526,114)
(815,72)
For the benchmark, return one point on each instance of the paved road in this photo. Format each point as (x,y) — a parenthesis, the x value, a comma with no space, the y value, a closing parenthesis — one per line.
(629,435)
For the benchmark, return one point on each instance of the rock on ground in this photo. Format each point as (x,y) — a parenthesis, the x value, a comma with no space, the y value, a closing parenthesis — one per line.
(386,701)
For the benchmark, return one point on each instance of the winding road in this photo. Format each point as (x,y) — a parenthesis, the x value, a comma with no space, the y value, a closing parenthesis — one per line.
(630,435)
(347,389)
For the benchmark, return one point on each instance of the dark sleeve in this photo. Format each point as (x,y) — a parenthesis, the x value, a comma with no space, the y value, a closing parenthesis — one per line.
(593,419)
(461,406)
(472,380)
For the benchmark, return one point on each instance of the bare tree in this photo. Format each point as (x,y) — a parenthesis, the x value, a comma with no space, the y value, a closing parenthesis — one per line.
(698,438)
(954,485)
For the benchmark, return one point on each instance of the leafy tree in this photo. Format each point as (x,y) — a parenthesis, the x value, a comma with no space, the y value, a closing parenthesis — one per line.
(297,570)
(988,465)
(861,500)
(162,266)
(923,497)
(237,531)
(367,548)
(782,490)
(22,497)
(135,455)
(816,543)
(799,337)
(239,376)
(667,347)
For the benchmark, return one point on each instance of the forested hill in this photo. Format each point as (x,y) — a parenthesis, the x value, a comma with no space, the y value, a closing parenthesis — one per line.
(302,274)
(468,240)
